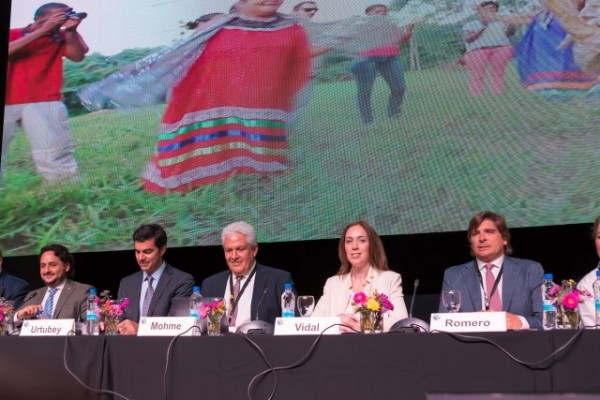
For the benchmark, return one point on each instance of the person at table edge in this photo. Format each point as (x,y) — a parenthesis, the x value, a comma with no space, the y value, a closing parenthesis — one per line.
(518,290)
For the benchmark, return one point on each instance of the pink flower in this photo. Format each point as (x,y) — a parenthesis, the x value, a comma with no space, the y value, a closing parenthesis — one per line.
(554,290)
(124,303)
(360,298)
(570,301)
(386,304)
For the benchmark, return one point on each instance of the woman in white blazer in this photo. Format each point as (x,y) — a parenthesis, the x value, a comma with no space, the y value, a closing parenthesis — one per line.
(364,269)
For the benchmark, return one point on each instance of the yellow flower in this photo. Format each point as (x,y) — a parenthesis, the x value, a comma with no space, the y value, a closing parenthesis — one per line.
(372,304)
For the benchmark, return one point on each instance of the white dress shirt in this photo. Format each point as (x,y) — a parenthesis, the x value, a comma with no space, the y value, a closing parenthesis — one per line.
(245,302)
(495,271)
(156,276)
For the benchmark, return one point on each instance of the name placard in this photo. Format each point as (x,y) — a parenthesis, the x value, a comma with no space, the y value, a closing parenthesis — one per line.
(489,321)
(48,327)
(165,326)
(306,326)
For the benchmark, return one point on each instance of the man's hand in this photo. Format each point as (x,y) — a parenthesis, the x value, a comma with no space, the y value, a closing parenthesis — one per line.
(513,322)
(71,24)
(52,23)
(128,327)
(29,311)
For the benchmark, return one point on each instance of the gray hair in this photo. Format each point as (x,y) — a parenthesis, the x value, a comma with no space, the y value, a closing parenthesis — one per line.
(243,228)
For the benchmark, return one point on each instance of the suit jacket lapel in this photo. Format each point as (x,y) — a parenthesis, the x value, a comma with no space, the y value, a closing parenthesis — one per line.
(260,284)
(134,301)
(473,286)
(62,298)
(509,277)
(159,289)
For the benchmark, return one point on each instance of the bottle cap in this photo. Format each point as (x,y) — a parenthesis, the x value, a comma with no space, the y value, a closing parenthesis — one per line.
(287,286)
(196,289)
(93,290)
(548,276)
(598,273)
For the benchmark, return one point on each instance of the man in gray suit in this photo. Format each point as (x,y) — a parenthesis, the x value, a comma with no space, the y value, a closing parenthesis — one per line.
(61,297)
(151,289)
(495,281)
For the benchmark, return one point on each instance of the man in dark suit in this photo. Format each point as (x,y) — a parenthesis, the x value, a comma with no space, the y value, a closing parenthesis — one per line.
(61,297)
(494,281)
(251,290)
(151,289)
(11,287)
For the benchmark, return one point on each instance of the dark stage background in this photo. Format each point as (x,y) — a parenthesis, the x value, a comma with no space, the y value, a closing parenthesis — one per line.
(566,250)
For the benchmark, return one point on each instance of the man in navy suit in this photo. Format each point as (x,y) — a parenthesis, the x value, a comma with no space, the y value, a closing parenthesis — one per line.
(151,289)
(515,283)
(258,287)
(11,287)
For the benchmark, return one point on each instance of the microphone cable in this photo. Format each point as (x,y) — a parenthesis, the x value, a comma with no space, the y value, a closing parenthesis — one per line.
(296,364)
(80,382)
(534,365)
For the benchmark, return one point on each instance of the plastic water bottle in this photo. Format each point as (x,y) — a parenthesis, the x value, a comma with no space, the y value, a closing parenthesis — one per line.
(195,303)
(288,302)
(596,287)
(549,316)
(91,316)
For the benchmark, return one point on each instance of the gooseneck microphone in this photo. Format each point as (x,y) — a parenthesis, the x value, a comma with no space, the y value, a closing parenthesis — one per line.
(410,324)
(30,296)
(257,326)
(412,299)
(260,302)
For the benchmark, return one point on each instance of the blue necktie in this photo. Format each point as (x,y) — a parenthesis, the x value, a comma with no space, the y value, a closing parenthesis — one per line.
(49,304)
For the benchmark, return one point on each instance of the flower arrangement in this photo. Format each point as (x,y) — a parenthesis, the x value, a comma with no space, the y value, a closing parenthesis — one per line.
(213,311)
(109,311)
(107,307)
(371,309)
(6,309)
(566,298)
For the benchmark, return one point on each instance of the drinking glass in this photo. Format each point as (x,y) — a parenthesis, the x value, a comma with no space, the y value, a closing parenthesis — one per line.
(451,300)
(306,305)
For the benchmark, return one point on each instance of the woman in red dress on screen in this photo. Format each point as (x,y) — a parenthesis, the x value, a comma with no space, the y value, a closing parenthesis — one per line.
(228,114)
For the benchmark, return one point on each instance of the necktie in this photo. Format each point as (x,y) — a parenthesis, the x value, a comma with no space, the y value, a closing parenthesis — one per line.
(148,296)
(495,302)
(49,304)
(236,292)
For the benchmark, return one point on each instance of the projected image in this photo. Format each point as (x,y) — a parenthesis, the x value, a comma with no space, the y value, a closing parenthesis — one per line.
(296,117)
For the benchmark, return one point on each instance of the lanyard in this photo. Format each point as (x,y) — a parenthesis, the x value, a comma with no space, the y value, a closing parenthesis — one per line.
(486,296)
(234,302)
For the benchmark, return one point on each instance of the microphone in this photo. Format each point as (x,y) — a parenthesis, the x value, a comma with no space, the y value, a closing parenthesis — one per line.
(410,324)
(30,296)
(257,326)
(260,302)
(412,299)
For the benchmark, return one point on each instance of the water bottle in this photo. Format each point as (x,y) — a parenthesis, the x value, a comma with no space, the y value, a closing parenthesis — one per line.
(195,303)
(91,316)
(596,287)
(549,316)
(288,301)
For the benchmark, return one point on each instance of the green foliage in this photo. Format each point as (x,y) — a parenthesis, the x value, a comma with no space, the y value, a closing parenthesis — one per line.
(447,157)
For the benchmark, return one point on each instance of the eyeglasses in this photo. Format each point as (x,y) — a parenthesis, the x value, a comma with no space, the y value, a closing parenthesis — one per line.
(310,9)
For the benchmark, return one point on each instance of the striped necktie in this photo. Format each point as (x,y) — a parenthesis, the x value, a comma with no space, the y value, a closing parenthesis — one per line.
(49,304)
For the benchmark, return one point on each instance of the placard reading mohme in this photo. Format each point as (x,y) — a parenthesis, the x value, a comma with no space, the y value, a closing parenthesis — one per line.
(166,326)
(488,321)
